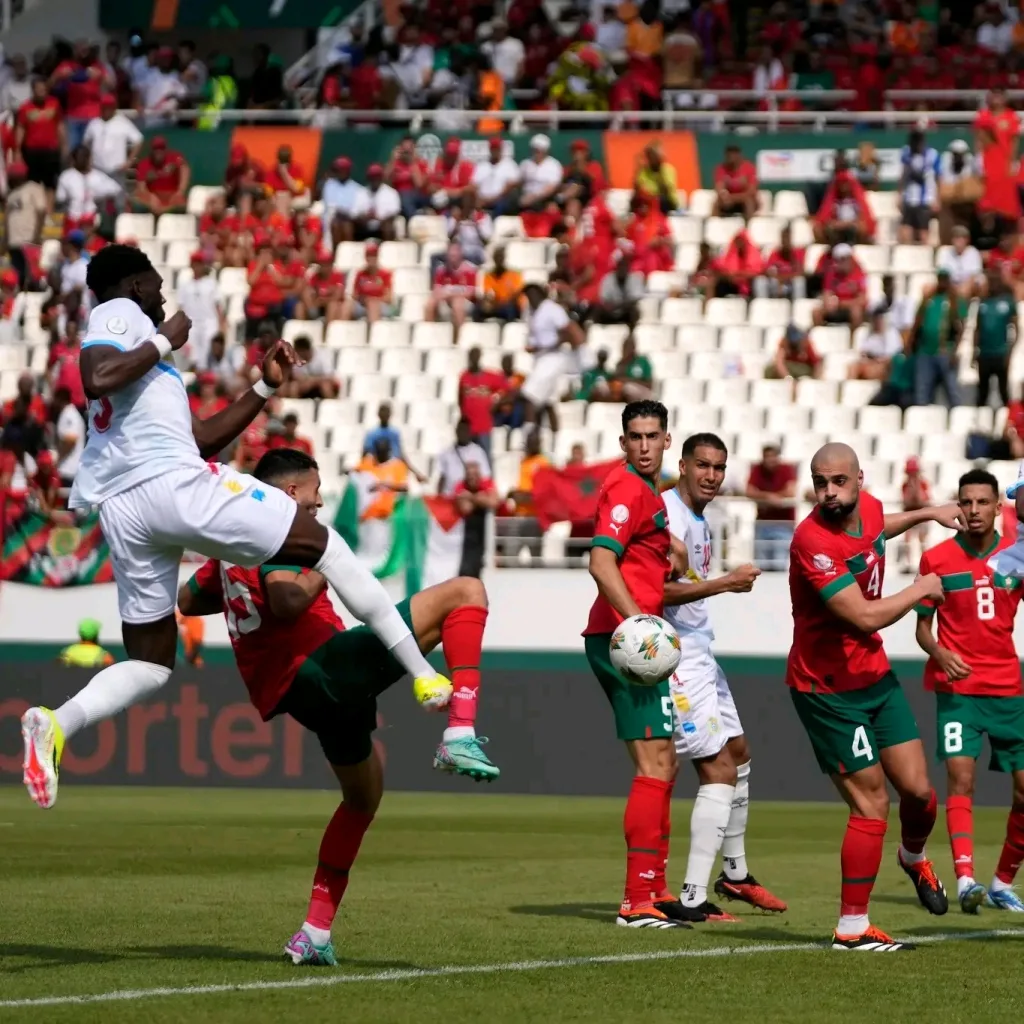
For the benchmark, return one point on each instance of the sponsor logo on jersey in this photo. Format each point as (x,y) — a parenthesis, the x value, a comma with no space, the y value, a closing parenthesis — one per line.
(689,728)
(713,725)
(823,563)
(680,701)
(234,486)
(620,514)
(117,325)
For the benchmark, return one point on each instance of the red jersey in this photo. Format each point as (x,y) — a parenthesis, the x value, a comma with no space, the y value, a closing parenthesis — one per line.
(326,287)
(460,281)
(69,375)
(459,175)
(401,179)
(845,286)
(975,620)
(786,265)
(738,179)
(828,655)
(82,98)
(163,181)
(266,290)
(302,444)
(477,392)
(1009,264)
(268,650)
(204,410)
(372,284)
(210,225)
(632,521)
(40,123)
(275,182)
(36,410)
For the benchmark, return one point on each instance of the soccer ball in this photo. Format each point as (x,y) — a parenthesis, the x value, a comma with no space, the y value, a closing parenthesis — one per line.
(432,692)
(644,649)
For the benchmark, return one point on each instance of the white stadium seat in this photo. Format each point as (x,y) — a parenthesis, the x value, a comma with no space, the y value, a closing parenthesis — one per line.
(445,362)
(312,329)
(790,205)
(696,338)
(768,393)
(679,391)
(724,312)
(172,226)
(682,311)
(428,335)
(416,387)
(397,360)
(741,339)
(398,254)
(353,361)
(833,420)
(701,202)
(370,389)
(739,419)
(912,259)
(857,393)
(686,230)
(139,226)
(816,393)
(410,280)
(727,391)
(925,419)
(350,256)
(651,338)
(605,416)
(667,365)
(484,336)
(720,231)
(344,333)
(880,420)
(389,334)
(770,312)
(787,419)
(692,419)
(765,231)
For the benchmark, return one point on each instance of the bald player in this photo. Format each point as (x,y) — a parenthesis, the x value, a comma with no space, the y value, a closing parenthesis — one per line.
(855,713)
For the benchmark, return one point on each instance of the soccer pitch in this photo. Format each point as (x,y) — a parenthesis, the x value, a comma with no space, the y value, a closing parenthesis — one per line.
(479,908)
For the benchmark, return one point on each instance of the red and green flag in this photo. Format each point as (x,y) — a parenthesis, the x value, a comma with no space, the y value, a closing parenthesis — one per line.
(569,494)
(44,553)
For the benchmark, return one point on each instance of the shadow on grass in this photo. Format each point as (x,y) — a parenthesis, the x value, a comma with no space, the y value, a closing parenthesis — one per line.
(603,912)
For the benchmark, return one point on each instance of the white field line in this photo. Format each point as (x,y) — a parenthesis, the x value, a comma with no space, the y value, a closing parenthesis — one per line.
(455,970)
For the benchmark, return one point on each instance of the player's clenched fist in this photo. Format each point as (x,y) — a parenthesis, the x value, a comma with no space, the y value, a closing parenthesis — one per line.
(175,329)
(931,587)
(952,664)
(278,363)
(741,579)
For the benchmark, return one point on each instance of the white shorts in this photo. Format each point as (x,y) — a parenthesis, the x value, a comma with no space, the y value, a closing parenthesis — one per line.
(213,510)
(541,386)
(706,716)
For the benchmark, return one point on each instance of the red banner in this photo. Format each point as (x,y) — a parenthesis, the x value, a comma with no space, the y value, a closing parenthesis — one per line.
(569,494)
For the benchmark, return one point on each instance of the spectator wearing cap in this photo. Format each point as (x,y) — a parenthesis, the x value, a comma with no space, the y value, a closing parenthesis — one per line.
(322,292)
(79,187)
(501,294)
(963,263)
(25,209)
(450,179)
(161,89)
(224,365)
(845,215)
(41,136)
(81,80)
(17,90)
(960,188)
(208,399)
(406,173)
(795,357)
(454,289)
(243,179)
(772,484)
(200,297)
(266,84)
(582,179)
(541,176)
(372,294)
(506,54)
(735,186)
(916,493)
(621,290)
(656,178)
(113,140)
(343,198)
(844,290)
(312,376)
(877,348)
(496,179)
(995,333)
(163,179)
(218,232)
(379,207)
(937,329)
(919,188)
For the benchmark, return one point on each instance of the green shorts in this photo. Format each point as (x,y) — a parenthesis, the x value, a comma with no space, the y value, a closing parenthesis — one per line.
(334,693)
(963,720)
(641,712)
(847,730)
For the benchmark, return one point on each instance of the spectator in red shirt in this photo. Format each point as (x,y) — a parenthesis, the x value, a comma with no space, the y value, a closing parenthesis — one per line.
(651,236)
(735,186)
(1013,432)
(209,399)
(218,231)
(795,357)
(1008,259)
(996,132)
(41,137)
(286,175)
(406,173)
(844,290)
(82,81)
(266,288)
(66,372)
(784,270)
(28,400)
(737,268)
(372,296)
(844,215)
(476,498)
(450,178)
(582,180)
(772,484)
(243,179)
(163,179)
(323,292)
(454,289)
(288,437)
(479,391)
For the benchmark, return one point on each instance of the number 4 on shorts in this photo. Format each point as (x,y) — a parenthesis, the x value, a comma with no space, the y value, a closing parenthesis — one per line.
(861,746)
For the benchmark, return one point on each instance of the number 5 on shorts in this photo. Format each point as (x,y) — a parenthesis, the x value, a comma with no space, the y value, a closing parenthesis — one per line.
(953,737)
(861,746)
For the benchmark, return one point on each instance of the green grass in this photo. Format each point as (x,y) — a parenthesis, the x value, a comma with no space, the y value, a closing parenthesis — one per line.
(138,888)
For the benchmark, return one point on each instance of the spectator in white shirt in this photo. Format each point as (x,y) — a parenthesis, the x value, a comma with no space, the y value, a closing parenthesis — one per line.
(379,205)
(451,464)
(919,188)
(193,71)
(878,346)
(113,140)
(611,32)
(769,72)
(201,299)
(343,197)
(506,53)
(80,186)
(224,365)
(70,435)
(496,179)
(412,67)
(963,263)
(313,376)
(161,89)
(74,266)
(17,90)
(995,33)
(541,175)
(548,330)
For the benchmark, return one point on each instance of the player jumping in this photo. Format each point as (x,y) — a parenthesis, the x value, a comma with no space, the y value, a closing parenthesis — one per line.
(629,562)
(855,713)
(143,465)
(297,658)
(975,673)
(708,730)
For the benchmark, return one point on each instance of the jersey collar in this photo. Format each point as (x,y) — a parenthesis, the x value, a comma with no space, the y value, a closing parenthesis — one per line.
(650,483)
(971,553)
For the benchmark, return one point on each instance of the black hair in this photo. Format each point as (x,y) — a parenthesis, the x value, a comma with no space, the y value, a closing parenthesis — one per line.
(704,440)
(644,410)
(282,462)
(981,477)
(303,341)
(112,266)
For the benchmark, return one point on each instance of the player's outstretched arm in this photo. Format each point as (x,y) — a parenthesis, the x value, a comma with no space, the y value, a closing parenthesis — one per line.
(850,604)
(107,368)
(739,581)
(949,516)
(604,567)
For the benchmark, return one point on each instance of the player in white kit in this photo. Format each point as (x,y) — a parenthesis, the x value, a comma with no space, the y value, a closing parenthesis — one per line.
(708,730)
(144,466)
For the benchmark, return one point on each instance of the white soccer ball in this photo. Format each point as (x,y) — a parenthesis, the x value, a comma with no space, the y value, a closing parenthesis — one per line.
(644,649)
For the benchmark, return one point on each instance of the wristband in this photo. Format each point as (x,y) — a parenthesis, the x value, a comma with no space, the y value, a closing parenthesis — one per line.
(163,346)
(264,390)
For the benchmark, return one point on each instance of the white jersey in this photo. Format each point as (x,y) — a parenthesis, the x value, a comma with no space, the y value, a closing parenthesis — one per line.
(137,433)
(691,621)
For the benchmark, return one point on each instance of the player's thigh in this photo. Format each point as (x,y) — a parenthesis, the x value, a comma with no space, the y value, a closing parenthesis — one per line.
(1003,719)
(892,719)
(641,712)
(730,717)
(699,733)
(957,731)
(145,570)
(840,728)
(224,514)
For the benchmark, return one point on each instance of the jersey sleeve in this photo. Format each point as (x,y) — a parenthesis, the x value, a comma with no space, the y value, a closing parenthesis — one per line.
(925,609)
(812,560)
(120,324)
(618,514)
(207,579)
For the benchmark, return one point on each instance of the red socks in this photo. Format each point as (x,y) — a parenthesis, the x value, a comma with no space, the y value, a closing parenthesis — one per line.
(960,826)
(916,822)
(860,858)
(643,827)
(1013,848)
(462,636)
(338,850)
(660,888)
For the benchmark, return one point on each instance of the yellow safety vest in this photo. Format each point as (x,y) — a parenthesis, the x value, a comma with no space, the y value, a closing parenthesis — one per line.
(223,94)
(83,655)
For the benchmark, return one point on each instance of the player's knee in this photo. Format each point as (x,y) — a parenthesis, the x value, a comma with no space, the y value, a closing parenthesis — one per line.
(719,770)
(657,759)
(959,781)
(362,801)
(739,750)
(470,591)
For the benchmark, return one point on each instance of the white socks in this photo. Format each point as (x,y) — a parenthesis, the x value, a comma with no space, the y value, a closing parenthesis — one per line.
(911,858)
(458,732)
(998,885)
(856,924)
(964,882)
(734,854)
(711,811)
(109,692)
(365,598)
(318,936)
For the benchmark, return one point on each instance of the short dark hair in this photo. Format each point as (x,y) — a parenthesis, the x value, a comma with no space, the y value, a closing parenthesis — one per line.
(981,477)
(113,265)
(704,440)
(647,409)
(282,462)
(303,341)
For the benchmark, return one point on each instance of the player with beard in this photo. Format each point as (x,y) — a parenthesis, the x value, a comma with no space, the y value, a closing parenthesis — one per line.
(856,715)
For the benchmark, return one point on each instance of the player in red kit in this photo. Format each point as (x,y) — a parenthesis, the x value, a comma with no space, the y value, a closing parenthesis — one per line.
(855,713)
(296,657)
(974,671)
(630,564)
